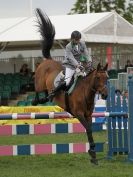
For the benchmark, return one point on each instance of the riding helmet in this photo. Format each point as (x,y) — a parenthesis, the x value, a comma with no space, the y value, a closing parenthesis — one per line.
(76,35)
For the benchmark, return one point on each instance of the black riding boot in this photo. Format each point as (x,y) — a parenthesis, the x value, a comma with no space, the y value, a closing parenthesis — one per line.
(62,86)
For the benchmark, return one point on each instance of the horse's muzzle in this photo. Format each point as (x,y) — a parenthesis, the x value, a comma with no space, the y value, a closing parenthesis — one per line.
(104,93)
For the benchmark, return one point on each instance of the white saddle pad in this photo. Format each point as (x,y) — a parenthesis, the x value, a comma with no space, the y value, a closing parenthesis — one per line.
(60,77)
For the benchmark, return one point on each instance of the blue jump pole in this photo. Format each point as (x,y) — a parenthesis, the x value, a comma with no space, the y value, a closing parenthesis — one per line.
(130,119)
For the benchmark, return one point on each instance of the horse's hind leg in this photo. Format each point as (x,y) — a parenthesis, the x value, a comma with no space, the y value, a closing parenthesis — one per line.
(45,99)
(88,126)
(36,100)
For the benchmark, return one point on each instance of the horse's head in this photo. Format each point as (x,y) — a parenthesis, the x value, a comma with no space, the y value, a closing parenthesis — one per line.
(100,82)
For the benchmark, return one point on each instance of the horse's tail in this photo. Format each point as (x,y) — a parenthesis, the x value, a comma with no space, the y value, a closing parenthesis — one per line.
(47,31)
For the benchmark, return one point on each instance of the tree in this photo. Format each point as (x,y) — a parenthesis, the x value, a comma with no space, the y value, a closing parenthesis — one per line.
(120,6)
(129,14)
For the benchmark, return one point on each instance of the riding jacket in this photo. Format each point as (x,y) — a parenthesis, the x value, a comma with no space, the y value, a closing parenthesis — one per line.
(74,54)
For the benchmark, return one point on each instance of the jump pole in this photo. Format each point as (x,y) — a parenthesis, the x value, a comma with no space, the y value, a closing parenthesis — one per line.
(55,115)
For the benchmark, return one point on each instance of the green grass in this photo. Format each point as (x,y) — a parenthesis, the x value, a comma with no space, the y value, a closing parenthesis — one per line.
(62,165)
(53,138)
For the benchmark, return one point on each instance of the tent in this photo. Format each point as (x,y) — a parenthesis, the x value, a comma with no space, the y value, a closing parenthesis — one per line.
(105,27)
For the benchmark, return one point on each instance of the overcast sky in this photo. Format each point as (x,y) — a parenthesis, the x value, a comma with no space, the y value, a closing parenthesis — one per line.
(14,8)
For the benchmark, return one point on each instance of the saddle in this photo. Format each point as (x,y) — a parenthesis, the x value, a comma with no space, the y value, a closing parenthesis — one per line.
(61,78)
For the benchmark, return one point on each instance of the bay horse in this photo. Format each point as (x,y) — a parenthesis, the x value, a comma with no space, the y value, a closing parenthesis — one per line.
(80,103)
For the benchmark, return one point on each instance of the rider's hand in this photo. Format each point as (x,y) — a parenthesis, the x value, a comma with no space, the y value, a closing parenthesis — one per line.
(80,67)
(89,64)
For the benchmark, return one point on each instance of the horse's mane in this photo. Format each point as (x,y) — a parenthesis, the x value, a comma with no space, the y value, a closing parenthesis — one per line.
(47,31)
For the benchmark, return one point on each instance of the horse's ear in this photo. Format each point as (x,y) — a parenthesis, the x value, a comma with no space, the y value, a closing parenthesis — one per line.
(105,67)
(98,66)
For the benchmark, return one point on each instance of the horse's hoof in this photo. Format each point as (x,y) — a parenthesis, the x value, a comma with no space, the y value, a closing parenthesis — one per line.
(94,161)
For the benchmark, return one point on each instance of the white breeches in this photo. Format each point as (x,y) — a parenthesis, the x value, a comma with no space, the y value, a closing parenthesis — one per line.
(68,75)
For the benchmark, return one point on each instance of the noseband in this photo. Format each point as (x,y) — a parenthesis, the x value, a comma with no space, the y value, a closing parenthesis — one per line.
(95,89)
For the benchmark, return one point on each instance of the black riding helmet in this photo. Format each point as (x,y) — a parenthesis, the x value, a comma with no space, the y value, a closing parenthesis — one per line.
(76,35)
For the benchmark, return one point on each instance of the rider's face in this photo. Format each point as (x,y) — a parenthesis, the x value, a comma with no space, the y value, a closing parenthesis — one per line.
(76,41)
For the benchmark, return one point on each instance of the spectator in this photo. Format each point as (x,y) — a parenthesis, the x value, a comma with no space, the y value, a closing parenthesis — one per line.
(118,94)
(125,95)
(24,70)
(129,64)
(33,73)
(117,91)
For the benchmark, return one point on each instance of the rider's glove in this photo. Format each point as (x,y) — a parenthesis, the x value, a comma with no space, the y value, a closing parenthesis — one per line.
(80,67)
(89,64)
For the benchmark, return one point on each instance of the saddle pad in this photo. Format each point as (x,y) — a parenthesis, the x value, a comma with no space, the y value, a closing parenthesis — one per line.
(72,86)
(58,79)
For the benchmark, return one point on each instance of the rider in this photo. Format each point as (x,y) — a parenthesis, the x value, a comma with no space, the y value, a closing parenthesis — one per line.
(75,54)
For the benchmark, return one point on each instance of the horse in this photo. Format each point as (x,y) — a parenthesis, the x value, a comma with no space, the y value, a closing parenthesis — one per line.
(80,103)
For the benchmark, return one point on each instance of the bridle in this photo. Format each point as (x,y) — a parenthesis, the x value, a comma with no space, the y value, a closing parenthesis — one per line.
(95,87)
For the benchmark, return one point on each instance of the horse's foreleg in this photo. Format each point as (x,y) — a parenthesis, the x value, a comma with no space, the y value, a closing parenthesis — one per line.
(91,151)
(88,126)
